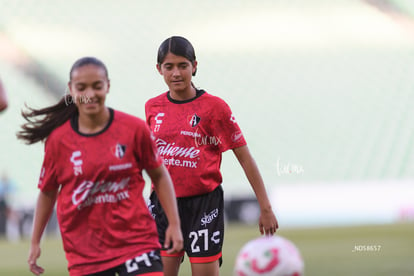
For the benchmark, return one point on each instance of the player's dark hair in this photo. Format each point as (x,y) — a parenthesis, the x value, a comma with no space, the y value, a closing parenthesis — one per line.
(41,122)
(87,61)
(178,46)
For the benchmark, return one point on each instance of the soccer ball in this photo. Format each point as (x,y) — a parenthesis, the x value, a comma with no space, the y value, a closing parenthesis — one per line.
(269,256)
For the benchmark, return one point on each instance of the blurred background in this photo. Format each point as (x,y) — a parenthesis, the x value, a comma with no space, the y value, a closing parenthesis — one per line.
(322,90)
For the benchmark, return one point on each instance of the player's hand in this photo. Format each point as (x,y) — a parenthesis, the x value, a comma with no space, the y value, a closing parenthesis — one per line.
(173,239)
(267,222)
(34,254)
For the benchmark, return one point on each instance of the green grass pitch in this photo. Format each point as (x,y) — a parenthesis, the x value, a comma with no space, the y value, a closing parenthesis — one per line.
(326,251)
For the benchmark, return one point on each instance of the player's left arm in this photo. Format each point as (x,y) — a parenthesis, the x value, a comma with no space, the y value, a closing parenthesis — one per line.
(268,223)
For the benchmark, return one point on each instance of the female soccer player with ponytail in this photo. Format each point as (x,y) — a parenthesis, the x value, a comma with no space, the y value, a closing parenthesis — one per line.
(192,129)
(94,157)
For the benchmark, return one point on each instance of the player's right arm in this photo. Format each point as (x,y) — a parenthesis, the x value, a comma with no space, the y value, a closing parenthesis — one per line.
(165,191)
(44,208)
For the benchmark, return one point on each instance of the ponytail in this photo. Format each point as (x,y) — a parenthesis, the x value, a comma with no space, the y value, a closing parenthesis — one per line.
(38,129)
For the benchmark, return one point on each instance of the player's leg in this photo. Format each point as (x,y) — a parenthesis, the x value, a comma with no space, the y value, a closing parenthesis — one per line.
(205,227)
(205,269)
(171,265)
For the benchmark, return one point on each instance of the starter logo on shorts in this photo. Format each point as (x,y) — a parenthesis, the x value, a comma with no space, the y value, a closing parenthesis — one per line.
(194,120)
(208,218)
(77,162)
(118,151)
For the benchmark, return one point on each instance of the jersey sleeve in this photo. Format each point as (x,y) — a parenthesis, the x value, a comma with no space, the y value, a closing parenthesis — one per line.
(48,179)
(226,127)
(147,153)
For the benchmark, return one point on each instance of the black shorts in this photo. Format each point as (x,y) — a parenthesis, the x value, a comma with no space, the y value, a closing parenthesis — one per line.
(202,225)
(148,263)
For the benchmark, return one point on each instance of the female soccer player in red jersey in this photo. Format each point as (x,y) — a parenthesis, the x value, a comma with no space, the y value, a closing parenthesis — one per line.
(192,128)
(94,157)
